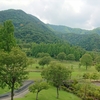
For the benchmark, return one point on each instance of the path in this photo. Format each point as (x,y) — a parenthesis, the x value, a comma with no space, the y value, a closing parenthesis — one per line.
(18,93)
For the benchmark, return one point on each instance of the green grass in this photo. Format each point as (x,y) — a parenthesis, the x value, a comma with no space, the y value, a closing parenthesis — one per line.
(34,75)
(50,94)
(5,90)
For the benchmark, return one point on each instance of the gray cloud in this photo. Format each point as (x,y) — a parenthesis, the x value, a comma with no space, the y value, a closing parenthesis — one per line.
(73,13)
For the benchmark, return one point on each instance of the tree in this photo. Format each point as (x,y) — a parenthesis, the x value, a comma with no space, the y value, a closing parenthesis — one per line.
(94,76)
(71,57)
(61,56)
(12,69)
(37,87)
(86,60)
(45,60)
(7,34)
(97,59)
(98,67)
(56,74)
(31,61)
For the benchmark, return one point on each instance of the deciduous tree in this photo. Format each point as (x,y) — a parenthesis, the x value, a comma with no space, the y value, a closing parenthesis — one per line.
(7,36)
(56,74)
(86,60)
(12,69)
(61,56)
(37,87)
(45,60)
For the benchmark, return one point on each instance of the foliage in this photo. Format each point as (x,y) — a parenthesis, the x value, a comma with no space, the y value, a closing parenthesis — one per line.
(7,40)
(61,56)
(84,90)
(54,49)
(94,76)
(56,74)
(86,75)
(45,60)
(37,87)
(97,60)
(28,29)
(86,60)
(98,67)
(12,66)
(42,54)
(71,57)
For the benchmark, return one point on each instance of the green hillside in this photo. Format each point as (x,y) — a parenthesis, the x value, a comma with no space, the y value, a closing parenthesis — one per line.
(28,28)
(65,29)
(89,40)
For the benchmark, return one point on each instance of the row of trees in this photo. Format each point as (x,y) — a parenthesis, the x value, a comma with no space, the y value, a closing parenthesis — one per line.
(54,49)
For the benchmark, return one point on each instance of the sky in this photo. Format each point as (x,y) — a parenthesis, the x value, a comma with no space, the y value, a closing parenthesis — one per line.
(84,14)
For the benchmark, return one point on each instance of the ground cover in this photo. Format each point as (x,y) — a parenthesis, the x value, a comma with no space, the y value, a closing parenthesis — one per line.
(50,94)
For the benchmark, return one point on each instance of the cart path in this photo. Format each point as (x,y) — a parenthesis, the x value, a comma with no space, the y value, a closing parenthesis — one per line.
(21,92)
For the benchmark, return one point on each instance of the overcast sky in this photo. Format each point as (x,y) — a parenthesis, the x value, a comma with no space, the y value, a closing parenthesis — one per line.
(83,14)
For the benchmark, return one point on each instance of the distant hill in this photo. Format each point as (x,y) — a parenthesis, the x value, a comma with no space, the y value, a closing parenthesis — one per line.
(28,28)
(65,29)
(88,39)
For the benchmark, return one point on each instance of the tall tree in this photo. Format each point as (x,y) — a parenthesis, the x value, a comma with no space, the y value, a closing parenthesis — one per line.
(12,69)
(86,60)
(7,34)
(56,74)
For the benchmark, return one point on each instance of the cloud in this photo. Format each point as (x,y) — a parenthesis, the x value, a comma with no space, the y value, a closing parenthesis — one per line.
(73,13)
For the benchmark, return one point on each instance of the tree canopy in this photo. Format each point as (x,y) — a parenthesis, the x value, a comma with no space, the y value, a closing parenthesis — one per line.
(12,69)
(7,40)
(56,74)
(86,60)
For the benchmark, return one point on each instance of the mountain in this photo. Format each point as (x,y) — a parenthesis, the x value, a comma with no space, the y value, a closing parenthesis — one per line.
(87,39)
(28,28)
(65,29)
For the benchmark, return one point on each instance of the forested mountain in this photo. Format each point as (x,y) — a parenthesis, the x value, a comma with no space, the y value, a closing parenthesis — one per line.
(88,39)
(65,29)
(28,28)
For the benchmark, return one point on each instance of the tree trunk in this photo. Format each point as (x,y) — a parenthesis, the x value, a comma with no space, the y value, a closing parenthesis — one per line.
(57,92)
(12,91)
(37,95)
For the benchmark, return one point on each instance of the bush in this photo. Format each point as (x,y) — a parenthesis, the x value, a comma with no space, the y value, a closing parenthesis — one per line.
(37,67)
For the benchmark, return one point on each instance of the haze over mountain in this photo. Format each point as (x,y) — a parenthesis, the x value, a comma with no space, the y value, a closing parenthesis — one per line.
(28,28)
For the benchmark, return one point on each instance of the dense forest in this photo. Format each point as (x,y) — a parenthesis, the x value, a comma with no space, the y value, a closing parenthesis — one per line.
(29,29)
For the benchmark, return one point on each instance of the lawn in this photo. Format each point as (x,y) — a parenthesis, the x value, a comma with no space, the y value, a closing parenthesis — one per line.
(50,94)
(5,90)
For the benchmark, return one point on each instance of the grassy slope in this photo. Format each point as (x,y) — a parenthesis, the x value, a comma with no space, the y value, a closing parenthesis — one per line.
(50,94)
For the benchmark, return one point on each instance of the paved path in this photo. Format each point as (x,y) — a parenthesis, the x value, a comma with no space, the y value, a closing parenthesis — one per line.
(18,93)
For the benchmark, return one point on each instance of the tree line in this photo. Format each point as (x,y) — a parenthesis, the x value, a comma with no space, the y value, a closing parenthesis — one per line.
(55,49)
